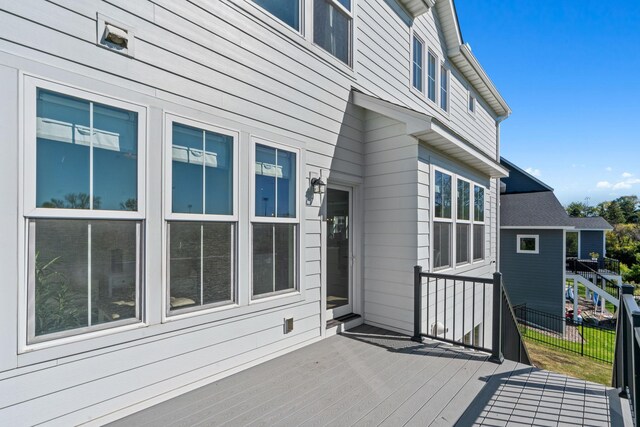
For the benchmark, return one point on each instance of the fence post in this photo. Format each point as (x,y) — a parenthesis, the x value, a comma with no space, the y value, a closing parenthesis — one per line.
(496,351)
(417,304)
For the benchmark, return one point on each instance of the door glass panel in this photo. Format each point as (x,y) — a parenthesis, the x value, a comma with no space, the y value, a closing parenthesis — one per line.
(338,249)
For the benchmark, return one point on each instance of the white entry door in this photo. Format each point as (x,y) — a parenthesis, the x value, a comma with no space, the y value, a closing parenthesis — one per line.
(339,241)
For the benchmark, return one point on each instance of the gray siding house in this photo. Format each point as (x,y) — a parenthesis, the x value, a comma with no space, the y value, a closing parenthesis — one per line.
(540,244)
(193,188)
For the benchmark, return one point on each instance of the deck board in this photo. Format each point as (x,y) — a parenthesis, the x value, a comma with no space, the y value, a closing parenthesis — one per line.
(370,377)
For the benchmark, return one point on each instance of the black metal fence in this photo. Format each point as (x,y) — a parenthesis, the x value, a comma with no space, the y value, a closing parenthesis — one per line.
(601,265)
(473,312)
(595,341)
(626,365)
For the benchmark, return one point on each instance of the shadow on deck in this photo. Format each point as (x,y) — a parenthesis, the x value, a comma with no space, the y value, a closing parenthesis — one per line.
(370,376)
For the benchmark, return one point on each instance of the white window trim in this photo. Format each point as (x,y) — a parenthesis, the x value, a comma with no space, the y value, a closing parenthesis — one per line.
(27,188)
(453,220)
(253,219)
(528,236)
(422,91)
(447,72)
(169,216)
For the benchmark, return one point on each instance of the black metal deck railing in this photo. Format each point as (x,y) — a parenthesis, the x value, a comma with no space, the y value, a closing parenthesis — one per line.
(602,265)
(626,365)
(588,270)
(473,312)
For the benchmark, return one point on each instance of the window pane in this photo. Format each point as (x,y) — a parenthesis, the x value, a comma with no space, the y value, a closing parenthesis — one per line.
(67,253)
(572,244)
(478,241)
(464,194)
(478,208)
(527,244)
(432,77)
(472,104)
(462,243)
(331,30)
(274,258)
(218,161)
(200,263)
(263,263)
(217,252)
(286,184)
(266,172)
(185,270)
(288,11)
(442,195)
(417,63)
(444,87)
(441,244)
(62,151)
(115,158)
(285,256)
(187,155)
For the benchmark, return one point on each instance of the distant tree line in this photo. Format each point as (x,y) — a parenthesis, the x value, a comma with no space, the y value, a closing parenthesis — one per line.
(623,243)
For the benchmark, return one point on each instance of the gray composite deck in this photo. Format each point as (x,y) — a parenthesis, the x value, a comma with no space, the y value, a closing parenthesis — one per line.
(370,376)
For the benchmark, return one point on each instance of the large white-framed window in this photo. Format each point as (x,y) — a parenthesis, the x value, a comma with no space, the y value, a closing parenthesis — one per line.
(463,221)
(417,63)
(444,88)
(478,223)
(333,27)
(84,210)
(287,11)
(201,213)
(443,220)
(275,219)
(527,244)
(432,64)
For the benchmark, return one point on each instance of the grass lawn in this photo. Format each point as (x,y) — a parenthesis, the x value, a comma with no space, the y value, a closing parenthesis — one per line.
(556,360)
(599,344)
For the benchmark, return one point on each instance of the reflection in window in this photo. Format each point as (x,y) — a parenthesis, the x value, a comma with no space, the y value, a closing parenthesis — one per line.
(463,200)
(431,70)
(462,243)
(478,203)
(274,258)
(444,89)
(85,274)
(332,29)
(79,146)
(275,182)
(441,244)
(200,264)
(478,241)
(442,195)
(202,172)
(418,50)
(288,11)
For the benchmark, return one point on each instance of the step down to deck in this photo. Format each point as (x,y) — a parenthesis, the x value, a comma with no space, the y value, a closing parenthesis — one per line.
(343,323)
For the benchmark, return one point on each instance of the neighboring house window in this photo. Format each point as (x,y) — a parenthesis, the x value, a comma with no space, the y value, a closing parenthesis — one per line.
(418,63)
(275,220)
(463,222)
(431,76)
(332,22)
(527,244)
(287,11)
(84,202)
(444,88)
(442,225)
(202,222)
(478,223)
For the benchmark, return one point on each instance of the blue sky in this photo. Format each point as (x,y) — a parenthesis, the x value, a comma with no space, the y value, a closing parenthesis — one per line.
(570,71)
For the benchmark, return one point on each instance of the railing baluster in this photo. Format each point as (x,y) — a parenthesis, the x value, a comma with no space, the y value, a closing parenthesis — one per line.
(484,311)
(445,310)
(454,310)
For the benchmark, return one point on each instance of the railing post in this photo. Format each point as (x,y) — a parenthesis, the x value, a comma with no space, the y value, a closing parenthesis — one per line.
(496,351)
(623,332)
(417,304)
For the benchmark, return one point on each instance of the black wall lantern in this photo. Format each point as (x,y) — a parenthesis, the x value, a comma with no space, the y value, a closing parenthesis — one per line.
(318,185)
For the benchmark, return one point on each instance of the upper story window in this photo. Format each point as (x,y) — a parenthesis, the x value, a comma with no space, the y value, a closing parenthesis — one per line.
(472,103)
(85,222)
(275,220)
(431,76)
(288,11)
(444,88)
(201,221)
(332,22)
(418,64)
